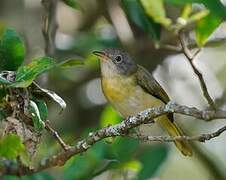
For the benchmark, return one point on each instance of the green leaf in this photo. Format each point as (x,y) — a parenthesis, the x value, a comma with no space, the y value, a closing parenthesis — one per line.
(72,3)
(215,6)
(187,9)
(9,177)
(124,148)
(11,146)
(85,166)
(179,2)
(134,165)
(109,117)
(39,176)
(136,13)
(36,176)
(35,115)
(52,95)
(205,27)
(26,74)
(12,50)
(155,9)
(42,107)
(70,63)
(36,67)
(105,165)
(152,158)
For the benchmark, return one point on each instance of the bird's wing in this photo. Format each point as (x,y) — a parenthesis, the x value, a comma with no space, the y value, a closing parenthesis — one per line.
(150,85)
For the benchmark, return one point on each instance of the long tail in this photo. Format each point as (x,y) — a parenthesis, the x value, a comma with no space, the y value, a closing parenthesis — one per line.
(173,131)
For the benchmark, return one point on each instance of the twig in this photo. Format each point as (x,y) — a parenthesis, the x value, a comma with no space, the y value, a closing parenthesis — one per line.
(50,25)
(170,47)
(56,136)
(200,138)
(190,59)
(123,128)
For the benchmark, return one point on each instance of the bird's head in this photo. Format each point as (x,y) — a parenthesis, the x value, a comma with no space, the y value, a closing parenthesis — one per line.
(116,62)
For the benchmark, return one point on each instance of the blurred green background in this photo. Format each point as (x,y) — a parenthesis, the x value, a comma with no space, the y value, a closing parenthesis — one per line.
(87,25)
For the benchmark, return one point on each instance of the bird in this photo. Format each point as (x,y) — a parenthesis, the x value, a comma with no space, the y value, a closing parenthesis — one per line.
(130,88)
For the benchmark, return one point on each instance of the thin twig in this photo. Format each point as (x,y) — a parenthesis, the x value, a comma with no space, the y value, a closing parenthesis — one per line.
(50,25)
(170,47)
(190,59)
(56,136)
(200,138)
(196,54)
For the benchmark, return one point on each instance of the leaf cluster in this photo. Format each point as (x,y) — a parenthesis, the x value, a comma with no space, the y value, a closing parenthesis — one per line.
(20,96)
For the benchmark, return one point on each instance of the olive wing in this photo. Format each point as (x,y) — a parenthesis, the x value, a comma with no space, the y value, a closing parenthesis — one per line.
(150,85)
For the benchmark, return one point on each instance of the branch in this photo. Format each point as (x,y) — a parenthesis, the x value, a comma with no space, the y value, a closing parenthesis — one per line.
(123,128)
(56,136)
(190,59)
(201,138)
(50,25)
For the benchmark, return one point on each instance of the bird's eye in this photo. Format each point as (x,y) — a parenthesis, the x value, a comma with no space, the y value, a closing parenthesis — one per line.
(118,59)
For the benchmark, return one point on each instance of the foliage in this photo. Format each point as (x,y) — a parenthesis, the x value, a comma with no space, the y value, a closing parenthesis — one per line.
(11,146)
(109,117)
(205,27)
(12,50)
(123,154)
(72,3)
(20,79)
(137,15)
(214,5)
(38,176)
(155,9)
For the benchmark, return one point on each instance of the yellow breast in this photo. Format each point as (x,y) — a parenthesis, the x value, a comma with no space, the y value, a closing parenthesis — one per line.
(117,89)
(127,97)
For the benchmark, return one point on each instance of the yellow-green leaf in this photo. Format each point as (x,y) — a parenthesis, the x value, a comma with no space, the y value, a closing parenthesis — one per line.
(205,27)
(70,63)
(215,6)
(136,14)
(132,165)
(155,9)
(26,74)
(72,3)
(109,117)
(11,146)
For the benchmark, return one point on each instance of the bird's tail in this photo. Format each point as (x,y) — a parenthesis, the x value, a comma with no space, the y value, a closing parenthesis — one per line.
(174,131)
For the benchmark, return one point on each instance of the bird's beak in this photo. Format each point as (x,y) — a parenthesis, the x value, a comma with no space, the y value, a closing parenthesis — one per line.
(101,55)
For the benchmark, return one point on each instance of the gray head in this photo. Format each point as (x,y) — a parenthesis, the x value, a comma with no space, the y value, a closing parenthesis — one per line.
(116,62)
